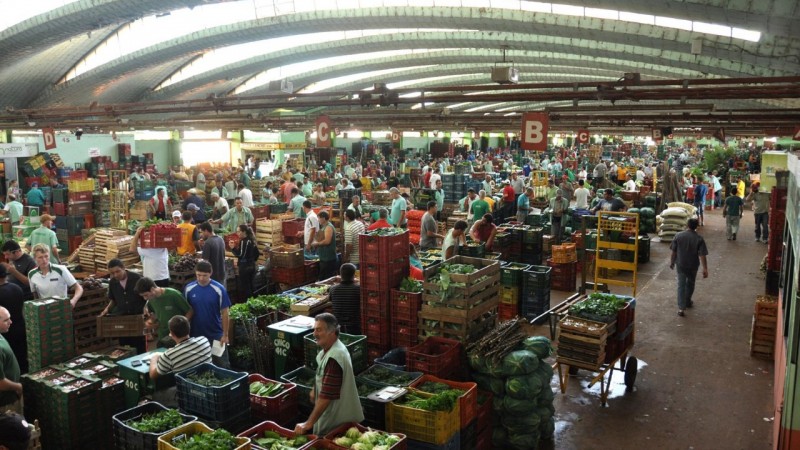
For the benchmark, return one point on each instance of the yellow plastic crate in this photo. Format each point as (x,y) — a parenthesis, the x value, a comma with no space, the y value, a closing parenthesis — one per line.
(434,427)
(81,185)
(509,295)
(190,429)
(366,183)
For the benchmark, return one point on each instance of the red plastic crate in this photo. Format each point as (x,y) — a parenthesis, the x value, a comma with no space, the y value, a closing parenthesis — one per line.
(405,305)
(404,327)
(281,408)
(258,431)
(260,212)
(374,352)
(74,242)
(374,249)
(79,175)
(563,284)
(467,403)
(60,209)
(383,277)
(374,304)
(507,312)
(160,238)
(562,268)
(292,227)
(484,410)
(311,270)
(436,356)
(88,221)
(291,277)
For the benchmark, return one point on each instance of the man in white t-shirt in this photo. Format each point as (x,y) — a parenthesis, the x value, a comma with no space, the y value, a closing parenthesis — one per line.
(630,185)
(310,227)
(155,261)
(51,280)
(246,195)
(581,196)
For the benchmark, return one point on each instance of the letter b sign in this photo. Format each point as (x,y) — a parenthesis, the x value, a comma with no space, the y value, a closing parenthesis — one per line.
(534,131)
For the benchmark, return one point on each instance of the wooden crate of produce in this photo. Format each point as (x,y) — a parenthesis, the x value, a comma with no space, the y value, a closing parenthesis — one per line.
(486,267)
(466,313)
(457,328)
(582,343)
(463,296)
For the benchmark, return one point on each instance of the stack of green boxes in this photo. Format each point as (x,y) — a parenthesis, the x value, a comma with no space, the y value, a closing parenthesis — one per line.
(74,401)
(48,324)
(511,281)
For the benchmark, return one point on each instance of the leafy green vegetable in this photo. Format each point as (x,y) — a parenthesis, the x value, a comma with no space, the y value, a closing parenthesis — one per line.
(433,387)
(240,311)
(157,422)
(369,440)
(464,269)
(540,345)
(208,379)
(216,440)
(265,389)
(520,362)
(410,285)
(525,387)
(274,441)
(599,307)
(383,375)
(444,401)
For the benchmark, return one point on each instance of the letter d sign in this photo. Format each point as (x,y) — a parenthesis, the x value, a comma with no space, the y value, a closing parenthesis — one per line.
(49,136)
(534,131)
(323,126)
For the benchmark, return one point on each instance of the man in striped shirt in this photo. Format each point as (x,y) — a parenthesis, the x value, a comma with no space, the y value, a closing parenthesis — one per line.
(352,229)
(187,353)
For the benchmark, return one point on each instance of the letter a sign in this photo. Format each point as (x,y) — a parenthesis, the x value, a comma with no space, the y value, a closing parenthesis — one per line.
(534,131)
(323,126)
(583,136)
(49,136)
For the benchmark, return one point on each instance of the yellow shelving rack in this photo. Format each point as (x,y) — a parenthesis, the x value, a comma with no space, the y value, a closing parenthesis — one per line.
(609,223)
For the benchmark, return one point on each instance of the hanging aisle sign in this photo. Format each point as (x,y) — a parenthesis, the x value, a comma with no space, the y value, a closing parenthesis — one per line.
(49,136)
(323,127)
(534,131)
(583,136)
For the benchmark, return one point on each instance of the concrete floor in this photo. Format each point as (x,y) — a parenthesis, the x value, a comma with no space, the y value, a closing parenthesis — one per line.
(697,386)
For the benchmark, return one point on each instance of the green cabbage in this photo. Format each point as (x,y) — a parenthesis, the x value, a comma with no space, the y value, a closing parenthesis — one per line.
(499,437)
(344,441)
(528,441)
(520,362)
(353,433)
(525,387)
(545,372)
(489,383)
(521,422)
(546,396)
(539,345)
(513,406)
(548,428)
(497,404)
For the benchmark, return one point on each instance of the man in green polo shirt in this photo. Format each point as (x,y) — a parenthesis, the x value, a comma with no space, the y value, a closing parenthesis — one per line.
(480,208)
(10,387)
(13,208)
(164,303)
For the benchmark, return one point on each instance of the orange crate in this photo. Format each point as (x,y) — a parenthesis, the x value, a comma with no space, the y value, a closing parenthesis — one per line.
(562,254)
(468,403)
(433,427)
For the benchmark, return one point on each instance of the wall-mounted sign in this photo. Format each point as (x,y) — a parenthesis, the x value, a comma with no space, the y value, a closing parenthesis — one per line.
(323,127)
(18,150)
(49,136)
(583,136)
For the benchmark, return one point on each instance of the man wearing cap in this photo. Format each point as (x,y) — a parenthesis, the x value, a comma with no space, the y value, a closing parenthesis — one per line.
(13,209)
(220,206)
(35,196)
(15,432)
(12,298)
(176,217)
(18,266)
(44,235)
(198,215)
(52,280)
(199,205)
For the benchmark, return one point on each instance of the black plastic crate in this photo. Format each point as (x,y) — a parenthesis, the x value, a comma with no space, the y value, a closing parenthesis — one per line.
(127,438)
(213,402)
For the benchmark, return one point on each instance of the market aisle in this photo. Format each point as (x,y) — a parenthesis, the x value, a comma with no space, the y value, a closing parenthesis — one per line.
(699,387)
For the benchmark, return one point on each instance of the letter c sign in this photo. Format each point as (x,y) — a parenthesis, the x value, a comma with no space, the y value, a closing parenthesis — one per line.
(323,126)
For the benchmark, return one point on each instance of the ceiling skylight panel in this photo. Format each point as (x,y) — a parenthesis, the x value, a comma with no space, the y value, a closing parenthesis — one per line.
(602,13)
(568,10)
(710,28)
(747,35)
(536,6)
(13,13)
(670,22)
(638,18)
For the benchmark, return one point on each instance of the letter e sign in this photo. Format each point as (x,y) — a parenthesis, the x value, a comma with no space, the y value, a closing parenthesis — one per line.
(323,126)
(534,131)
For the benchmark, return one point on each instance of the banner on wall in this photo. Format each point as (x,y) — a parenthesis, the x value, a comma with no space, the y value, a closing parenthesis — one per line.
(18,150)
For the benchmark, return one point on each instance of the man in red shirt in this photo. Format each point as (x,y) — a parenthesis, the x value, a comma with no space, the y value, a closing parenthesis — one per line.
(426,178)
(287,190)
(484,230)
(383,214)
(509,199)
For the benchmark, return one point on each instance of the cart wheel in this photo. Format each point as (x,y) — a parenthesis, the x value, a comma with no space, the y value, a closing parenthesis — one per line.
(631,367)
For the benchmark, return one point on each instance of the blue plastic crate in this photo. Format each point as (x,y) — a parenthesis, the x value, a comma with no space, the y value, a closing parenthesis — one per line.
(127,438)
(217,402)
(395,359)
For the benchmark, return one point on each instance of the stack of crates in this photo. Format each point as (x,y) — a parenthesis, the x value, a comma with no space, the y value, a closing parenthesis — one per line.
(536,292)
(84,317)
(48,327)
(144,190)
(511,289)
(467,406)
(68,232)
(532,246)
(383,263)
(564,276)
(483,423)
(405,316)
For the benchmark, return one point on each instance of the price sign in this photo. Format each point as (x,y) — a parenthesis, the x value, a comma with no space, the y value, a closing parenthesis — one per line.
(323,126)
(49,136)
(534,131)
(583,136)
